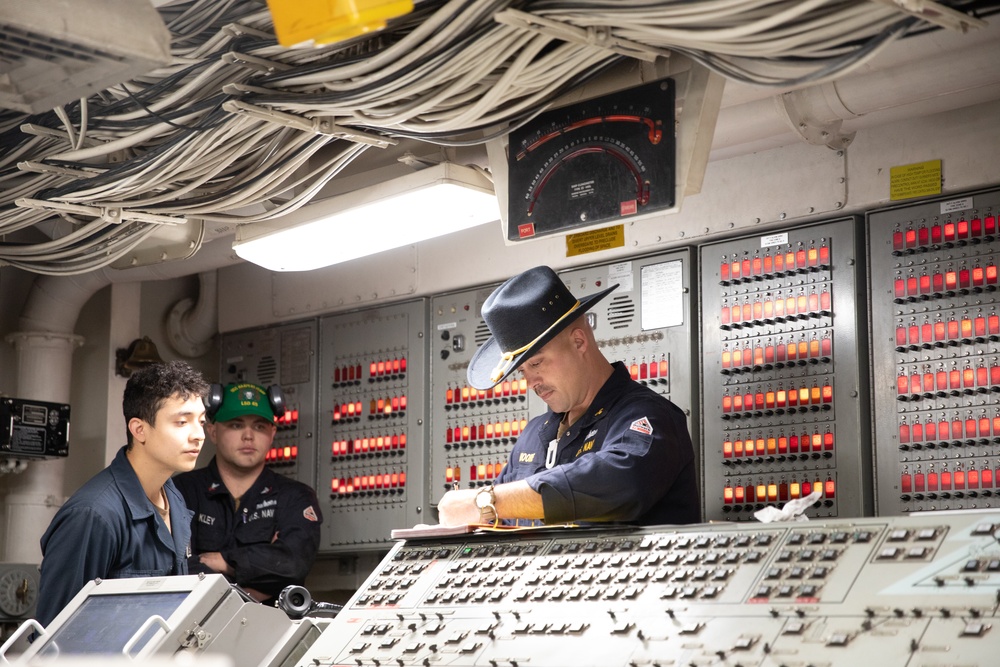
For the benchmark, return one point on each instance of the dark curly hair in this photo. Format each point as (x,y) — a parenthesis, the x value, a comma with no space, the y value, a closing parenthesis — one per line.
(148,388)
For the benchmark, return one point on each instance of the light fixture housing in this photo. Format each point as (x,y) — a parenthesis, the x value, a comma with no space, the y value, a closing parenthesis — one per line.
(434,201)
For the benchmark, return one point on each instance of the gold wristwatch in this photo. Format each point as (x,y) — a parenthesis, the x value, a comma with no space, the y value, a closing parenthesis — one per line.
(486,503)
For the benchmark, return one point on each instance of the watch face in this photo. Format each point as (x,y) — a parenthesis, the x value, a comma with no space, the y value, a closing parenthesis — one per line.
(483,499)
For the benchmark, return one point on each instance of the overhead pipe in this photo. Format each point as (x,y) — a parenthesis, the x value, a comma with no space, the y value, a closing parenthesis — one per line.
(44,346)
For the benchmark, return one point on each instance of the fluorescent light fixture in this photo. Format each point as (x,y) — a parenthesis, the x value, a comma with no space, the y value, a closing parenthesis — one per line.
(431,202)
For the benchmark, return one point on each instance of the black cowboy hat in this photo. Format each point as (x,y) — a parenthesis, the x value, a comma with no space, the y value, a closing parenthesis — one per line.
(524,314)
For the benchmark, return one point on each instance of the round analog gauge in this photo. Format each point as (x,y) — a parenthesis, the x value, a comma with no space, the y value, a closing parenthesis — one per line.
(18,592)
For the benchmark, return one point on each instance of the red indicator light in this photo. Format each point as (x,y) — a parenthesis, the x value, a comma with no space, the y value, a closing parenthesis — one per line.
(897,240)
(973,479)
(932,481)
(923,236)
(902,385)
(727,495)
(768,264)
(813,257)
(829,489)
(800,258)
(782,444)
(982,376)
(757,266)
(761,493)
(634,371)
(978,276)
(956,428)
(727,449)
(772,492)
(801,302)
(937,234)
(925,283)
(824,255)
(643,370)
(746,267)
(991,274)
(795,490)
(989,225)
(779,262)
(949,231)
(790,261)
(906,483)
(747,311)
(918,432)
(950,280)
(963,229)
(952,329)
(911,238)
(724,271)
(654,369)
(911,285)
(736,270)
(968,378)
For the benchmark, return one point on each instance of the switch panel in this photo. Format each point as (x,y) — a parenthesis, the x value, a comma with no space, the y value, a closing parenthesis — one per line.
(373,381)
(783,354)
(936,333)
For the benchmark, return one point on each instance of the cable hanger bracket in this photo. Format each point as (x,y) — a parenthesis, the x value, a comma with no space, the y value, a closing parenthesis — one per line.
(112,214)
(936,13)
(42,168)
(317,125)
(599,37)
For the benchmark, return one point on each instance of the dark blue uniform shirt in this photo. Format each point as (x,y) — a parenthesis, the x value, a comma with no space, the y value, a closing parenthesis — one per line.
(270,541)
(628,459)
(109,530)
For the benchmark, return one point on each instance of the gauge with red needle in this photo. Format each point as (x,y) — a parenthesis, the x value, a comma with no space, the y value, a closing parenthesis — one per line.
(596,161)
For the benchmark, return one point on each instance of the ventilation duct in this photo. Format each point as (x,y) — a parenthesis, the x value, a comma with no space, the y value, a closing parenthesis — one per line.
(56,51)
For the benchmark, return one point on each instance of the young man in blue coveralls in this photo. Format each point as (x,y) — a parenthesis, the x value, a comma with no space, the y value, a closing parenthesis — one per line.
(608,449)
(259,528)
(129,520)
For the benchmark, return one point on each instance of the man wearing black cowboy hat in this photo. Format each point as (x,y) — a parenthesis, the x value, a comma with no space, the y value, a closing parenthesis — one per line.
(608,449)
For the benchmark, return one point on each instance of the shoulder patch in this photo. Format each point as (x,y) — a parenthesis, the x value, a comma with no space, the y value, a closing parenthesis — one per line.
(310,514)
(642,426)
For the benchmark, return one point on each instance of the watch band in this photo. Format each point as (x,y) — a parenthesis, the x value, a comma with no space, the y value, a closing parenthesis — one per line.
(487,506)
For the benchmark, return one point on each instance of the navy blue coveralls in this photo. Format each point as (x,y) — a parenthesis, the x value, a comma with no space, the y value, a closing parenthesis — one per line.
(270,541)
(628,459)
(108,530)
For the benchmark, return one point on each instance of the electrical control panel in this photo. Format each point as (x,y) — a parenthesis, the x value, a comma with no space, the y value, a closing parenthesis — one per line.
(283,355)
(936,349)
(33,429)
(645,323)
(899,591)
(784,388)
(373,384)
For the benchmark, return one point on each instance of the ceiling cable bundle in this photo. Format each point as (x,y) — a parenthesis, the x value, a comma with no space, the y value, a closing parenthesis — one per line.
(238,129)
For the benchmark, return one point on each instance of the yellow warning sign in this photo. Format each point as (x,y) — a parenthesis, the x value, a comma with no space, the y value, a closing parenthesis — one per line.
(596,240)
(915,180)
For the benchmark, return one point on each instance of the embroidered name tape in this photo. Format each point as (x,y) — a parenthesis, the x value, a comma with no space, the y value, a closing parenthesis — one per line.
(642,426)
